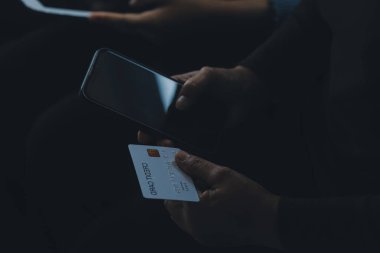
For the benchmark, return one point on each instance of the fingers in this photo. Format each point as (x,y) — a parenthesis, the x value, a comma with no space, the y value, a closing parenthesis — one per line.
(106,16)
(147,139)
(144,138)
(176,211)
(165,143)
(174,208)
(194,87)
(196,167)
(184,77)
(127,19)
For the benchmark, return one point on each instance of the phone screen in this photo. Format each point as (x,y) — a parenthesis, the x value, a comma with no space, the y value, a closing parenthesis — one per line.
(148,98)
(88,5)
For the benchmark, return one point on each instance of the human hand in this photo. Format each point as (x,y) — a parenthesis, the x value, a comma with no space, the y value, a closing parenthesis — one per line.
(147,139)
(161,19)
(232,211)
(234,87)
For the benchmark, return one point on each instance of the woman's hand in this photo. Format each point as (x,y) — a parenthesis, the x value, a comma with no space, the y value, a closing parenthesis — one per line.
(233,210)
(234,87)
(160,19)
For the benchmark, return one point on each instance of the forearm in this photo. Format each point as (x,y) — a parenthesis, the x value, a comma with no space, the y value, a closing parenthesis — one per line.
(298,50)
(349,224)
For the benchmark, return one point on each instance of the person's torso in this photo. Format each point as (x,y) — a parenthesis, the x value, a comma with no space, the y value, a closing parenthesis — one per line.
(352,97)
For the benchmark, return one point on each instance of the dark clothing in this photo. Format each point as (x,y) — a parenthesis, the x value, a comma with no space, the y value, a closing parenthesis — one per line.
(336,43)
(43,66)
(18,232)
(79,152)
(93,204)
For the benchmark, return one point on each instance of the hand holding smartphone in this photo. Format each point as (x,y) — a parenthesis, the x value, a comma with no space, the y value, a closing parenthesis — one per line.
(148,98)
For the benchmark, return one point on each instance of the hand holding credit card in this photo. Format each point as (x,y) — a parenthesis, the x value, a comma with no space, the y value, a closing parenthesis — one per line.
(159,176)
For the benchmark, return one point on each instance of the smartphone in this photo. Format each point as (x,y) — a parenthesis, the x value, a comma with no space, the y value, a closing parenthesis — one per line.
(76,8)
(148,98)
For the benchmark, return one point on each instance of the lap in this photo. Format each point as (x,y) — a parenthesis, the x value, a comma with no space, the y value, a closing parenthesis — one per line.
(81,176)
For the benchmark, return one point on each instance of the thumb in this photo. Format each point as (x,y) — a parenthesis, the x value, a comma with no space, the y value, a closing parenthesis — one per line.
(199,168)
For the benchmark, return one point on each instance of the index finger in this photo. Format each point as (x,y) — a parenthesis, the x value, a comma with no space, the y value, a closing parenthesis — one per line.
(144,138)
(184,77)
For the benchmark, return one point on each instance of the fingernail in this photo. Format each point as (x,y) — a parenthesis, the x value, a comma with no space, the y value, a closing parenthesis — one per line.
(182,103)
(182,156)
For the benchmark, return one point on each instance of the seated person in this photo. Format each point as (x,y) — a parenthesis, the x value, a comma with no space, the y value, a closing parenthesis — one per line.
(53,60)
(44,65)
(308,61)
(342,130)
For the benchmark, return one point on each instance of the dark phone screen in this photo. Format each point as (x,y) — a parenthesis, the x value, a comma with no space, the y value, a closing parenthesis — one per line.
(148,98)
(88,5)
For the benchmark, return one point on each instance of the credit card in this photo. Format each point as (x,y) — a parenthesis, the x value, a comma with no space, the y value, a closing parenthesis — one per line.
(159,176)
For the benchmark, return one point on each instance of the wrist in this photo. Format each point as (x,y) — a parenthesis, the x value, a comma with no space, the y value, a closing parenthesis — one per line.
(249,79)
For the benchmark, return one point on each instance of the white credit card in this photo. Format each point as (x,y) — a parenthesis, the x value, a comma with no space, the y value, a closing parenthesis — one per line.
(38,6)
(158,175)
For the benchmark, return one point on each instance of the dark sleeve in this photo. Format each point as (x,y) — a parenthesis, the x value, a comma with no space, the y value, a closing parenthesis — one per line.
(298,49)
(330,225)
(283,8)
